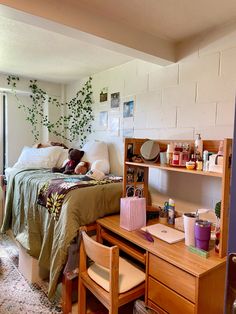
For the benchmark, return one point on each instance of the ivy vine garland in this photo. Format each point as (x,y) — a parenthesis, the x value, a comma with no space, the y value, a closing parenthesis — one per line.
(76,124)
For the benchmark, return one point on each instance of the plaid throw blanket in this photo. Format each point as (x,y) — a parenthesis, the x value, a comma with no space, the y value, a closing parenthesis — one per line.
(52,193)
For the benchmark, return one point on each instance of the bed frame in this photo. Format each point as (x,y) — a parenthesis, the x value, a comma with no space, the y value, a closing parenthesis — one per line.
(30,269)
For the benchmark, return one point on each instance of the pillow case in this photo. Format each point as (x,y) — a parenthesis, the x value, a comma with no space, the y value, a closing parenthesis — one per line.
(101,165)
(31,157)
(62,158)
(97,151)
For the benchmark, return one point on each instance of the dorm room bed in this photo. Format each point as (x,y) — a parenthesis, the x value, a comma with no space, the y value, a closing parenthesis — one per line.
(45,236)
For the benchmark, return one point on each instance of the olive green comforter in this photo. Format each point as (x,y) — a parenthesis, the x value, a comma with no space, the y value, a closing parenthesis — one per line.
(37,231)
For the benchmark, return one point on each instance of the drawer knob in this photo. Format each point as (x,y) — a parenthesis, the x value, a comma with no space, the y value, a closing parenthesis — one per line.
(234,259)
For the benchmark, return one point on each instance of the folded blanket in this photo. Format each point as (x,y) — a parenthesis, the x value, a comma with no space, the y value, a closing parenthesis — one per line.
(52,193)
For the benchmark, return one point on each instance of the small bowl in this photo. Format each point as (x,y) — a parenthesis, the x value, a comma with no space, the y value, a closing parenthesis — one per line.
(190,165)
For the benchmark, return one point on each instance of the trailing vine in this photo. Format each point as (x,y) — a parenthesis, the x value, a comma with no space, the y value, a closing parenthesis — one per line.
(76,124)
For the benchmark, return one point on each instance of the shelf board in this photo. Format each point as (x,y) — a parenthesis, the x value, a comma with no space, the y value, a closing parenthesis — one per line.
(175,169)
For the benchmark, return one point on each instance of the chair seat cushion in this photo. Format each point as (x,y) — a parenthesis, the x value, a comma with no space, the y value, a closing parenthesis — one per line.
(129,275)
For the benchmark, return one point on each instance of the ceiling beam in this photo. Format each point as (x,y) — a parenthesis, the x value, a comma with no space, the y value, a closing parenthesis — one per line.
(71,19)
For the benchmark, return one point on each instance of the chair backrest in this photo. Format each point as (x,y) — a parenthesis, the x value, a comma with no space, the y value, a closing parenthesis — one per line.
(99,253)
(107,257)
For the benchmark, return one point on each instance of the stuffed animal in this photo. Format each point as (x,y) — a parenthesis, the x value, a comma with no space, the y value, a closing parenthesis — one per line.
(82,167)
(74,156)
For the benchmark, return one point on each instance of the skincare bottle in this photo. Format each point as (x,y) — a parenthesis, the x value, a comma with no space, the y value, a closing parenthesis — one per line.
(169,153)
(198,145)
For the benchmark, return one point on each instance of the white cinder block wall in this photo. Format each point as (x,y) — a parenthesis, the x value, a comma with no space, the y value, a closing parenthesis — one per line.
(195,95)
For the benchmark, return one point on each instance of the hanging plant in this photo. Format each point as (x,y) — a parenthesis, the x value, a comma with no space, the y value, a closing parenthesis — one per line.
(75,125)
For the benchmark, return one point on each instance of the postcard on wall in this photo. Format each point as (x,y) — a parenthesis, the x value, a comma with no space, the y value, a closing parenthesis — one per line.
(114,124)
(128,109)
(104,94)
(128,123)
(115,100)
(103,117)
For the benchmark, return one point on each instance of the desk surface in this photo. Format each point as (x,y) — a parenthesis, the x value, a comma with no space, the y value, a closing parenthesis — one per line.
(176,254)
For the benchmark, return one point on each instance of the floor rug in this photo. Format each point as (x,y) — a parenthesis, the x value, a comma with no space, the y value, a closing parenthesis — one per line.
(17,295)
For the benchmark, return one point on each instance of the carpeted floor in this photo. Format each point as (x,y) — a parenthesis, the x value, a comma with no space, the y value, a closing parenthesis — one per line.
(16,294)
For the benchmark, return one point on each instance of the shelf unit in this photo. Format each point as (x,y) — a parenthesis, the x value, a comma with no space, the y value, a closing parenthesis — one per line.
(132,171)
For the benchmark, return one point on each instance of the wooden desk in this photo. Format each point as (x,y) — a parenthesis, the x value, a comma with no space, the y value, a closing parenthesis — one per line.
(178,281)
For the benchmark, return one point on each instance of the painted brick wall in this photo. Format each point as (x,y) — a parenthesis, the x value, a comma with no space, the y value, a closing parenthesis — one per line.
(195,95)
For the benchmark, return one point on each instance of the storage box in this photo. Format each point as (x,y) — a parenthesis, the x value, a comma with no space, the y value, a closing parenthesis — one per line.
(29,268)
(132,213)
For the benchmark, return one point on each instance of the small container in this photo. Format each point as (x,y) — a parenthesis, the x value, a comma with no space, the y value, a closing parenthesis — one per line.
(190,165)
(184,157)
(177,155)
(199,164)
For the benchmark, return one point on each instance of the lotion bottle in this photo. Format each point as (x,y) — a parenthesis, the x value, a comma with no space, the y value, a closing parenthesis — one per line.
(198,146)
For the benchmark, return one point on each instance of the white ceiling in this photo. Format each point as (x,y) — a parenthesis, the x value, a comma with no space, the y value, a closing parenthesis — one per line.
(33,50)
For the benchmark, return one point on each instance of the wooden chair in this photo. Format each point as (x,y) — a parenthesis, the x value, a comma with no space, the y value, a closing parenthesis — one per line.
(69,284)
(112,280)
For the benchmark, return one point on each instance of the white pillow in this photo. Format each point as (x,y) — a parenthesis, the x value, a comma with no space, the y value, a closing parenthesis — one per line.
(62,158)
(101,165)
(31,157)
(96,150)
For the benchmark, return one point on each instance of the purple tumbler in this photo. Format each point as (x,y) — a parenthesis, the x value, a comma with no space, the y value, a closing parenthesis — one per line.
(202,232)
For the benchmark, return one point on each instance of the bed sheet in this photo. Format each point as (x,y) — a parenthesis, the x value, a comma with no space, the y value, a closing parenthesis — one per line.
(38,232)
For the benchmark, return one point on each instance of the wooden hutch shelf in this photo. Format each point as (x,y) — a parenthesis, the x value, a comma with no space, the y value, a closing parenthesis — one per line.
(132,170)
(175,169)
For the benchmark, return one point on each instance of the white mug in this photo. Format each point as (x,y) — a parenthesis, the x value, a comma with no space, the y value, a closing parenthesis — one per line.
(163,158)
(189,223)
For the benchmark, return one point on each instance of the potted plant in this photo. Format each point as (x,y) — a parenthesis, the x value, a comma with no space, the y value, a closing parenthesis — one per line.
(217,228)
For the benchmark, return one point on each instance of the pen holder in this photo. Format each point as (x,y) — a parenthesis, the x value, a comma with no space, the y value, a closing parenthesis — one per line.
(202,232)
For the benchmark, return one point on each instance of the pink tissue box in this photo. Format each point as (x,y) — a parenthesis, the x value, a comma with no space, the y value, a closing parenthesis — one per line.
(132,213)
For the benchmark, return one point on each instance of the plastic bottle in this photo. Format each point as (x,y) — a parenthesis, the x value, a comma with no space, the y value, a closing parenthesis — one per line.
(205,160)
(169,153)
(198,145)
(171,212)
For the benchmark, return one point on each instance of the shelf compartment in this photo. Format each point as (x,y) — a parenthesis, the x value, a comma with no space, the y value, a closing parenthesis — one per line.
(175,169)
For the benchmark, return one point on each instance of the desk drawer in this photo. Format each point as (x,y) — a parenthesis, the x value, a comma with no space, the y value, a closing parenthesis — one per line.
(173,277)
(167,299)
(156,308)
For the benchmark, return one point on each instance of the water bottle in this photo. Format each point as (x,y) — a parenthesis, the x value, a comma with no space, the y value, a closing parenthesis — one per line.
(171,212)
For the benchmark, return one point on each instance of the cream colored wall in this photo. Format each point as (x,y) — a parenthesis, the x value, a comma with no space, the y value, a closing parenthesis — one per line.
(195,95)
(18,129)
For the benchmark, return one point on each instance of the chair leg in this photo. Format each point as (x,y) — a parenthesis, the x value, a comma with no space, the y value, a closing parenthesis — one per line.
(113,310)
(81,298)
(66,295)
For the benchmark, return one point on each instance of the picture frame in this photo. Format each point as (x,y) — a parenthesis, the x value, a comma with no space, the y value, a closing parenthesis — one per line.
(130,151)
(103,96)
(128,109)
(115,100)
(103,119)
